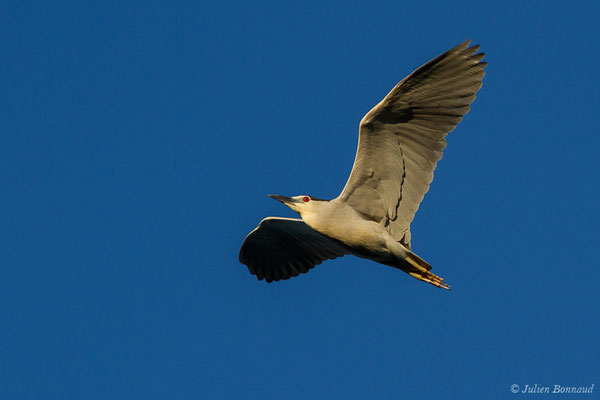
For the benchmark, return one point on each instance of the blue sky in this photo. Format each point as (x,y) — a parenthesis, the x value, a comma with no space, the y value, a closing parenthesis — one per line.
(138,141)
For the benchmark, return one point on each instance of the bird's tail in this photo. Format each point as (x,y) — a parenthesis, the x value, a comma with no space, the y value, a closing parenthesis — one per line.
(420,269)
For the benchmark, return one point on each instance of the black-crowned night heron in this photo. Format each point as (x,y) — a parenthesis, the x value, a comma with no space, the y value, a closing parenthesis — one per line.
(400,142)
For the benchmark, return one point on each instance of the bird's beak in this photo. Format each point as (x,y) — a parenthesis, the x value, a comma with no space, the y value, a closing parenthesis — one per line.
(284,199)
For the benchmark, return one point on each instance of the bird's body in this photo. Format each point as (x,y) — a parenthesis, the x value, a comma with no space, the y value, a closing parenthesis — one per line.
(363,237)
(401,139)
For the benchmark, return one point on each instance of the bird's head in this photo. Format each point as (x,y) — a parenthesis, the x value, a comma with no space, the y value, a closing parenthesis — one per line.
(303,204)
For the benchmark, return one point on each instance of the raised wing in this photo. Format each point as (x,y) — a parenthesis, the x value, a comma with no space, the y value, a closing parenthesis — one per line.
(401,139)
(280,248)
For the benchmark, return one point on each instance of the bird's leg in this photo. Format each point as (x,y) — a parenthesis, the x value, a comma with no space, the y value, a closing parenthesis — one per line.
(430,278)
(414,265)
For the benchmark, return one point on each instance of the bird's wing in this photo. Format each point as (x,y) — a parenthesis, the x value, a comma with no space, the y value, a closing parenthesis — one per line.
(401,139)
(280,248)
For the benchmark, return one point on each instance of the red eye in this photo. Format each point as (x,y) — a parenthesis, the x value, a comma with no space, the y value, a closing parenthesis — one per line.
(306,199)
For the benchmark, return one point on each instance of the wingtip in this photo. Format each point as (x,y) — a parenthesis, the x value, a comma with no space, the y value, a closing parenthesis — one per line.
(462,45)
(466,46)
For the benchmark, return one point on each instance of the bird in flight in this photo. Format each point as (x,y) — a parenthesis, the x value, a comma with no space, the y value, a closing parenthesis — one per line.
(400,142)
